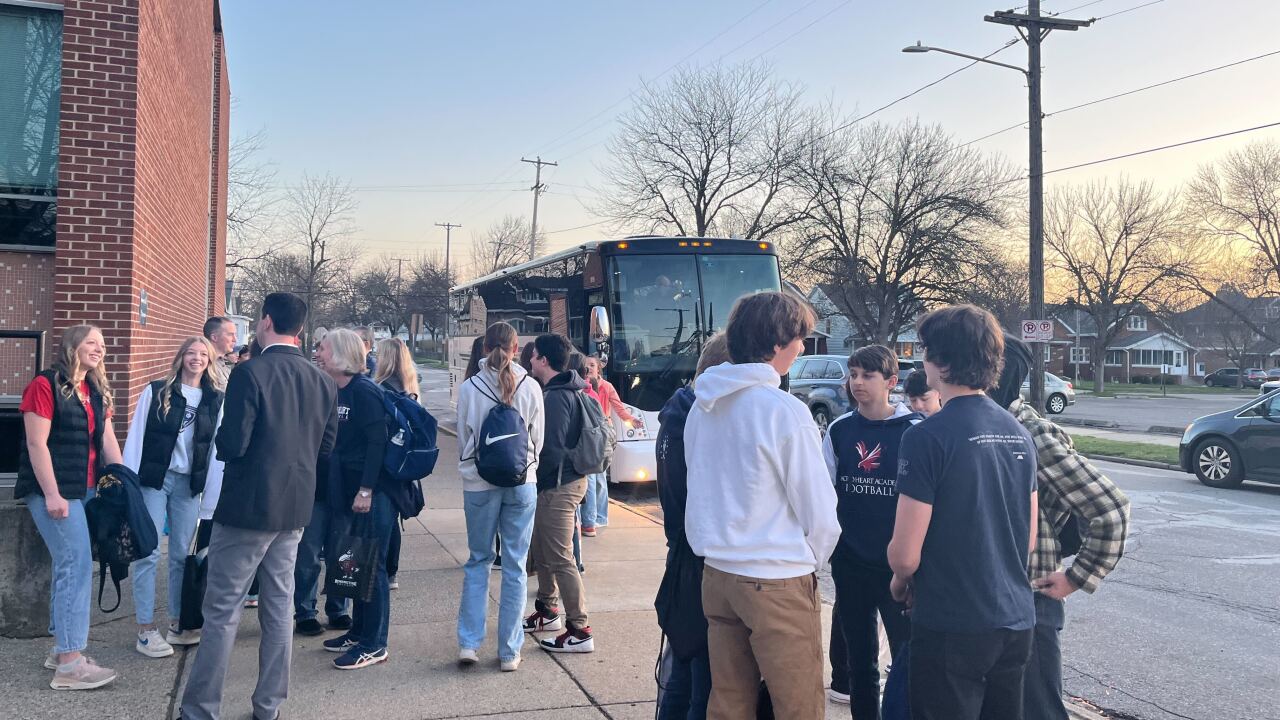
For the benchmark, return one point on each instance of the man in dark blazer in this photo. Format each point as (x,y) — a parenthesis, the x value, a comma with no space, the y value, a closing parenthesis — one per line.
(279,415)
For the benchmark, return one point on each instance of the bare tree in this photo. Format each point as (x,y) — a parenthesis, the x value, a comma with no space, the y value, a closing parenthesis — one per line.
(428,292)
(896,219)
(1238,200)
(1001,284)
(1121,245)
(709,152)
(503,244)
(251,202)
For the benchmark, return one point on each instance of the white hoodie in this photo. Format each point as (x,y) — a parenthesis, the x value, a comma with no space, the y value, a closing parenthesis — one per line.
(760,501)
(473,407)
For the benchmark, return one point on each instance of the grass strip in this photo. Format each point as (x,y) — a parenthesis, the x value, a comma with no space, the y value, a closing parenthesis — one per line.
(1088,445)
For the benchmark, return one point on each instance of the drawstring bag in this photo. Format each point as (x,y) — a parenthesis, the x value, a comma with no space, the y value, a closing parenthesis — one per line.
(351,573)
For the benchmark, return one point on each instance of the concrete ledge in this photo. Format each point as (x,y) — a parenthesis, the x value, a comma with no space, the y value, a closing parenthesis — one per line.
(25,575)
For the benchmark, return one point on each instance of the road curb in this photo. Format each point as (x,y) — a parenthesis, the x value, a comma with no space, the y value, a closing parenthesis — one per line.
(1131,461)
(1076,710)
(1087,422)
(1166,430)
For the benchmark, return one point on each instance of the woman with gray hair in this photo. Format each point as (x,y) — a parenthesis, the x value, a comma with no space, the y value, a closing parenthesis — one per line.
(357,490)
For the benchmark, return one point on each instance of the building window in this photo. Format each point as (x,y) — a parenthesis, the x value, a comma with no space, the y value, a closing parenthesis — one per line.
(1156,358)
(31,54)
(1115,358)
(1137,322)
(1048,353)
(1080,355)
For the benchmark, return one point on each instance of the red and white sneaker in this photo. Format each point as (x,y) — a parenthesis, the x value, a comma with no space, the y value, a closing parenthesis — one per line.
(543,619)
(571,641)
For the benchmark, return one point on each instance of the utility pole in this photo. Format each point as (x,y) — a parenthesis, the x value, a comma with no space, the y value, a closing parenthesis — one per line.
(448,282)
(400,292)
(537,189)
(1033,27)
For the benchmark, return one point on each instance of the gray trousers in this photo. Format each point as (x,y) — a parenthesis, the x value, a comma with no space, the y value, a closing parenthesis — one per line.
(235,555)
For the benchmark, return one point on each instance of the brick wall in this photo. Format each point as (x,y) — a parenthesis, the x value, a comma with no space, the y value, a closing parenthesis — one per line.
(218,176)
(95,254)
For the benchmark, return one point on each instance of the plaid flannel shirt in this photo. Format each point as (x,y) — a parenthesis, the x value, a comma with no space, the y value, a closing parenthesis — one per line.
(1068,485)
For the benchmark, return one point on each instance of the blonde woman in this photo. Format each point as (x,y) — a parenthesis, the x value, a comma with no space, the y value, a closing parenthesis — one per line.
(170,446)
(356,494)
(395,372)
(491,510)
(66,419)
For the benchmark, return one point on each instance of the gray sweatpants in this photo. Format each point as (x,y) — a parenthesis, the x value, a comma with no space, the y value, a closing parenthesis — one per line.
(235,555)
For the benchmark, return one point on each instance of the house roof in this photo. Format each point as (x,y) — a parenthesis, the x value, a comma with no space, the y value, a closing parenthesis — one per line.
(1134,339)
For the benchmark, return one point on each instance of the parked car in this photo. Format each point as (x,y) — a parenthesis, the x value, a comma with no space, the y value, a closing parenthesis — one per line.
(1059,394)
(1254,377)
(818,380)
(1268,386)
(1225,377)
(1273,373)
(1226,448)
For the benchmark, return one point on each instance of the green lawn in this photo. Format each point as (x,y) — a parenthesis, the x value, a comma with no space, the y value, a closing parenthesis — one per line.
(1088,445)
(1111,389)
(431,363)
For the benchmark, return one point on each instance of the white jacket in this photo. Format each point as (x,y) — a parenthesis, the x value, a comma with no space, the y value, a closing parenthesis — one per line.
(132,453)
(760,501)
(473,407)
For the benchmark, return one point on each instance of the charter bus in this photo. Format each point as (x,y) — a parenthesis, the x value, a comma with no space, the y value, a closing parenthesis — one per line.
(643,304)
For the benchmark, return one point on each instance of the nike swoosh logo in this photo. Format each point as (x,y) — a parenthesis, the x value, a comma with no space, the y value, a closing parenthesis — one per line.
(491,439)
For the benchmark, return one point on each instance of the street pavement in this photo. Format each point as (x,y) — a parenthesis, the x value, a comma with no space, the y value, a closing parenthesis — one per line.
(1140,413)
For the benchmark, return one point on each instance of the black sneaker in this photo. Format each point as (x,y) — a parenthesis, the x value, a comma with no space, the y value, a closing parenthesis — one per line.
(571,641)
(340,622)
(309,627)
(340,644)
(355,658)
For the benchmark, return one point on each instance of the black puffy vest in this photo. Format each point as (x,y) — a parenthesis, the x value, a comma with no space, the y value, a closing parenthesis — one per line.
(161,435)
(69,442)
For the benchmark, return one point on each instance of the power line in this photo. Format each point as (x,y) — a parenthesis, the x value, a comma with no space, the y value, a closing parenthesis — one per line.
(579,227)
(1126,94)
(1129,10)
(815,21)
(1164,147)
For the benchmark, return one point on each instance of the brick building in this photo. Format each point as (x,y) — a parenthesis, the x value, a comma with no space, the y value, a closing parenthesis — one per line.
(113,177)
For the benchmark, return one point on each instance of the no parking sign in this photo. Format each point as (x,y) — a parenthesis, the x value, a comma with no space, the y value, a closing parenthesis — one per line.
(1037,330)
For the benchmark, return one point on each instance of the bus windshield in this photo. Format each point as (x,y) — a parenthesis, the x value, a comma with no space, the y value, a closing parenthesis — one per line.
(664,307)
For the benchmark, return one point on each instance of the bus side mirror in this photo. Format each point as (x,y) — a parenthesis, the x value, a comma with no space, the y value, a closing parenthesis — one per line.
(599,325)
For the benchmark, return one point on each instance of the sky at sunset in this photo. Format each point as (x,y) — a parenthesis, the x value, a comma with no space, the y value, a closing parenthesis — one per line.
(445,97)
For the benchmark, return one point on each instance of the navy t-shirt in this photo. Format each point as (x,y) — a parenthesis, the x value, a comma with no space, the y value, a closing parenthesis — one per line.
(976,465)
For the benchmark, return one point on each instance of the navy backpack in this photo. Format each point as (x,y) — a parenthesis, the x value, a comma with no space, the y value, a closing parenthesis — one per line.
(502,447)
(411,451)
(121,530)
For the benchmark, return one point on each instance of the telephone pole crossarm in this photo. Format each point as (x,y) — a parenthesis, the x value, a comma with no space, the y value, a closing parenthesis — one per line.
(537,189)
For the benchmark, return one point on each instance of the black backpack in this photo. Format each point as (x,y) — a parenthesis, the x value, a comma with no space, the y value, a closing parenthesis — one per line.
(120,528)
(502,446)
(591,453)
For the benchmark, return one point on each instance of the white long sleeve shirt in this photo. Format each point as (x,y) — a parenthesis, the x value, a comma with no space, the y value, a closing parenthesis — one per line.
(473,407)
(760,498)
(181,460)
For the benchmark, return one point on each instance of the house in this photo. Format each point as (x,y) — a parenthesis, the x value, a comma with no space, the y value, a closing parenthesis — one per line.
(1144,348)
(819,341)
(845,336)
(1223,339)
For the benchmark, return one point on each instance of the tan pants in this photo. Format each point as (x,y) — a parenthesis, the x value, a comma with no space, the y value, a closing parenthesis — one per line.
(552,551)
(770,629)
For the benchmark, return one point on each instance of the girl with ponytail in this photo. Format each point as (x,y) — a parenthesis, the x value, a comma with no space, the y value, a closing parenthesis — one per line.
(489,508)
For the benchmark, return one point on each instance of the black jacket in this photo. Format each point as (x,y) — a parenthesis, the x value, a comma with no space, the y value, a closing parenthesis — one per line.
(161,434)
(562,423)
(69,443)
(679,600)
(360,443)
(279,416)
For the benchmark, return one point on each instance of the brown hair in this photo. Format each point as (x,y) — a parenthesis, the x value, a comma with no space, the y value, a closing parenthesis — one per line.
(395,361)
(211,373)
(875,358)
(966,343)
(526,357)
(68,364)
(499,340)
(473,362)
(715,352)
(760,323)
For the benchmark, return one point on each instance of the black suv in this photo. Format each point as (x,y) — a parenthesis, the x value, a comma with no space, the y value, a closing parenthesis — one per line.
(818,380)
(1226,377)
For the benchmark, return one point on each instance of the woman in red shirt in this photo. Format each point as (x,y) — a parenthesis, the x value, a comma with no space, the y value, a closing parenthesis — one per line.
(66,417)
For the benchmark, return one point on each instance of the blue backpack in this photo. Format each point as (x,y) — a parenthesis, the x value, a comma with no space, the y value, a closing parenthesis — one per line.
(502,447)
(411,437)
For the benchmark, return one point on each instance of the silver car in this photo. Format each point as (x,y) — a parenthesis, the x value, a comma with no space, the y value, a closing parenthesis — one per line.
(1059,394)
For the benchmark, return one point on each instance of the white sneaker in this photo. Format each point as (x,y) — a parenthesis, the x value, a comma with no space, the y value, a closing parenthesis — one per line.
(83,674)
(151,644)
(183,638)
(837,697)
(510,665)
(393,583)
(467,656)
(51,661)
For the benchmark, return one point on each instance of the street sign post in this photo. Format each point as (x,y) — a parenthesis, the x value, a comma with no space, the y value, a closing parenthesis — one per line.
(1037,330)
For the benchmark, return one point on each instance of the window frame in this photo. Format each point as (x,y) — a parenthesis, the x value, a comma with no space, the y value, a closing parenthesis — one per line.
(1136,323)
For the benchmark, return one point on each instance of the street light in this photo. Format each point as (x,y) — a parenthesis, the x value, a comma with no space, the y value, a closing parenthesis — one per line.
(921,48)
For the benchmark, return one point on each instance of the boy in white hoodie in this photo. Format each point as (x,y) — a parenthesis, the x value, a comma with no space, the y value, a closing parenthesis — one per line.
(762,512)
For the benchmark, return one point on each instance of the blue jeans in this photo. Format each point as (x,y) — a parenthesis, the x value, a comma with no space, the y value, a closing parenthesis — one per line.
(508,513)
(318,536)
(183,509)
(688,689)
(371,620)
(71,592)
(595,508)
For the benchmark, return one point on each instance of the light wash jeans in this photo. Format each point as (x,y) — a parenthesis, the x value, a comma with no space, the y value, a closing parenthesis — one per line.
(595,508)
(71,593)
(183,511)
(508,513)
